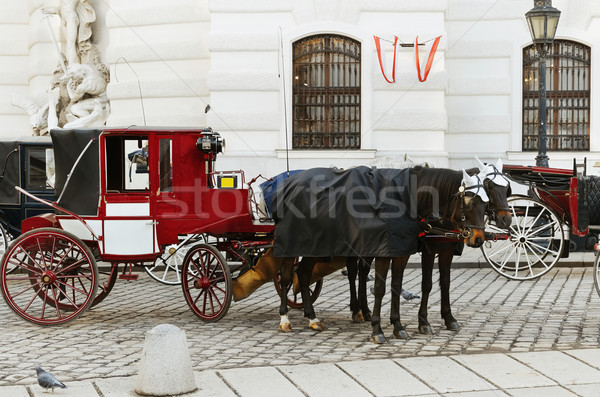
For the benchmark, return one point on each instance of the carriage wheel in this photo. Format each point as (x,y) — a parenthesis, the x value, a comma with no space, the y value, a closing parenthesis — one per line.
(597,271)
(206,282)
(55,280)
(4,241)
(294,300)
(535,242)
(106,282)
(166,268)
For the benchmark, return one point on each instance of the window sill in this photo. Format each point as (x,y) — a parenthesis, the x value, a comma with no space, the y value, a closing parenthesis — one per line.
(325,154)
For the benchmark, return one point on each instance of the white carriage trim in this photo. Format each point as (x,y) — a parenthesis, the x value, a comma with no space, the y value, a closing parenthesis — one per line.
(78,229)
(127,209)
(129,237)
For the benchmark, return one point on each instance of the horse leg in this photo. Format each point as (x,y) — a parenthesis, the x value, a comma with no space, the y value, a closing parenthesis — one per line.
(427,259)
(364,266)
(286,276)
(382,266)
(398,265)
(352,267)
(445,262)
(304,272)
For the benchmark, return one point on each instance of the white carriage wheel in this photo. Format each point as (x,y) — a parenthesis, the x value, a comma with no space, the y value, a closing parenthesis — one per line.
(596,272)
(535,243)
(4,241)
(166,268)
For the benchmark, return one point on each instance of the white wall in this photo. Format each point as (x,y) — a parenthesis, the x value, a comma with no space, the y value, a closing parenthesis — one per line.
(14,62)
(247,92)
(162,45)
(186,54)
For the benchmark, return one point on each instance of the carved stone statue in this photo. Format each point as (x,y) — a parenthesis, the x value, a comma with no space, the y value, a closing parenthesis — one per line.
(76,17)
(77,93)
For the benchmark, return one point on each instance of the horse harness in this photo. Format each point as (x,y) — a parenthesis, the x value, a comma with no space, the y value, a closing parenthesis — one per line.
(458,231)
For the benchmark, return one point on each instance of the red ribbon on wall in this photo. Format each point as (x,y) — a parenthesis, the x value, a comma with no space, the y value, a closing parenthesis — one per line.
(378,46)
(429,59)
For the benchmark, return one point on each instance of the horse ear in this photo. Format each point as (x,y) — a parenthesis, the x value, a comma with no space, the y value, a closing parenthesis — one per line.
(466,177)
(499,165)
(481,165)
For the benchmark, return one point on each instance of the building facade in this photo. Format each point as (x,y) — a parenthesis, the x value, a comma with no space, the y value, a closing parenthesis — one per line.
(303,84)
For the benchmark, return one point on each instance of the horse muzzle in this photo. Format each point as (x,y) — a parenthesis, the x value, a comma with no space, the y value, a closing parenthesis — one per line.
(475,238)
(503,219)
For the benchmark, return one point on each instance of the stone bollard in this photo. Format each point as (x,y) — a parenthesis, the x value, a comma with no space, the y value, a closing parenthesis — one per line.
(165,366)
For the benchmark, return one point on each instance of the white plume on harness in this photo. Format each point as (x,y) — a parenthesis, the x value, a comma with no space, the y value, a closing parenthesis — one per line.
(474,184)
(492,172)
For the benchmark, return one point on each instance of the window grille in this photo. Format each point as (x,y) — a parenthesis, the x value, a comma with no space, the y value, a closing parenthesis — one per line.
(326,93)
(567,97)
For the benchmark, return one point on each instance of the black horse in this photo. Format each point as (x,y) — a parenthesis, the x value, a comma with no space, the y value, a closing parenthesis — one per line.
(443,187)
(497,189)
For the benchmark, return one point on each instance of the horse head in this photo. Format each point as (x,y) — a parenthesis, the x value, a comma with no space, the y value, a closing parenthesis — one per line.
(473,205)
(498,189)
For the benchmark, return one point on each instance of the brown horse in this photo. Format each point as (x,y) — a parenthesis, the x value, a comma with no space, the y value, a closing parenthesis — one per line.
(497,188)
(452,191)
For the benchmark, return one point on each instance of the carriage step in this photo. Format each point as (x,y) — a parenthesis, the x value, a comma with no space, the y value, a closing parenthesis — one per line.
(128,277)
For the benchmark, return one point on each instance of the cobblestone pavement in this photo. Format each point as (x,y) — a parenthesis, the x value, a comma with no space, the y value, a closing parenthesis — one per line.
(558,311)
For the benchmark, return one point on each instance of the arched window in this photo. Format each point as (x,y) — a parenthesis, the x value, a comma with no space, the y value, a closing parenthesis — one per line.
(567,97)
(326,93)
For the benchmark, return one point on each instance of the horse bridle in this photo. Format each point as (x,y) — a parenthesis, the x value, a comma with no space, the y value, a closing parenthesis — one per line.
(462,231)
(495,173)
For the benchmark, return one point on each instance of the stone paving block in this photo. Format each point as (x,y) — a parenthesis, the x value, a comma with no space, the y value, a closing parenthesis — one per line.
(554,391)
(384,378)
(74,389)
(14,391)
(560,367)
(479,393)
(117,387)
(211,385)
(589,356)
(444,375)
(323,379)
(252,382)
(590,390)
(503,371)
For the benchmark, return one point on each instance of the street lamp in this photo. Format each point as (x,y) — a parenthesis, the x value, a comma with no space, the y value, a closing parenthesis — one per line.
(542,20)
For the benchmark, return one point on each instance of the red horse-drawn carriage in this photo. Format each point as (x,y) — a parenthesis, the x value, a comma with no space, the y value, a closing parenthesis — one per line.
(104,212)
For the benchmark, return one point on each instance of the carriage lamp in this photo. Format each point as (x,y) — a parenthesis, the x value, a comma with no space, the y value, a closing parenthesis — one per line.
(543,21)
(211,143)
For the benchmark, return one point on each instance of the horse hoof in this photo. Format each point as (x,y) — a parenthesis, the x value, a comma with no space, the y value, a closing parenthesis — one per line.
(379,339)
(285,327)
(401,334)
(425,329)
(367,315)
(453,326)
(358,318)
(316,325)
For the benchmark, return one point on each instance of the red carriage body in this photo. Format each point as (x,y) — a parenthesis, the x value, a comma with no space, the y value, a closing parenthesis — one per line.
(123,195)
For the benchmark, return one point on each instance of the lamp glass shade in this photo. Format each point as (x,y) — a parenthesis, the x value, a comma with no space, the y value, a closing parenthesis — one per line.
(543,21)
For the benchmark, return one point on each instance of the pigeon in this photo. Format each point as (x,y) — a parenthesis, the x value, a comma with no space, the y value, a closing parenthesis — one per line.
(406,294)
(47,380)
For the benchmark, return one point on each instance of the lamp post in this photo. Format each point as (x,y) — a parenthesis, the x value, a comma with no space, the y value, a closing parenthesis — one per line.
(542,20)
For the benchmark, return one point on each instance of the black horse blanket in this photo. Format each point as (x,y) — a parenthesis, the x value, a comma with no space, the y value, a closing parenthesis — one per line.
(362,211)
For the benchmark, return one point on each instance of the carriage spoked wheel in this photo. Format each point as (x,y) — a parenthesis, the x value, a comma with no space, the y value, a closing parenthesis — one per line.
(55,279)
(294,300)
(206,282)
(535,243)
(106,282)
(597,269)
(166,268)
(4,242)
